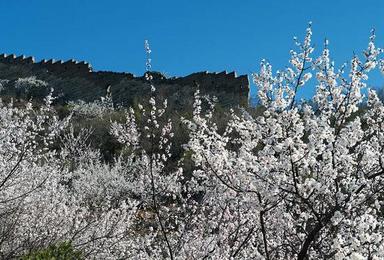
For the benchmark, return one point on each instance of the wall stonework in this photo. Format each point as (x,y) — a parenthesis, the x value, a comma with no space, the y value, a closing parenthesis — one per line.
(235,89)
(70,66)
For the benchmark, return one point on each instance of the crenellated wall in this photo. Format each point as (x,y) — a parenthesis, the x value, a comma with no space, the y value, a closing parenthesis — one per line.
(13,59)
(223,80)
(70,66)
(229,87)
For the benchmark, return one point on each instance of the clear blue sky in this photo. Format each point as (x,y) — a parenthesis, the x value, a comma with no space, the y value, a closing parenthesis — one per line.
(185,36)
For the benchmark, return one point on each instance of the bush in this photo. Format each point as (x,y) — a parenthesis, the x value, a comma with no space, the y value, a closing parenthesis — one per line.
(63,250)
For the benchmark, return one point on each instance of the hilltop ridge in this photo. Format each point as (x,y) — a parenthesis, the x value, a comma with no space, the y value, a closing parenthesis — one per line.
(74,80)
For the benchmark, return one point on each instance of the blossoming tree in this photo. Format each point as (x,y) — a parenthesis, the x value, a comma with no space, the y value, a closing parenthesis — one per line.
(300,181)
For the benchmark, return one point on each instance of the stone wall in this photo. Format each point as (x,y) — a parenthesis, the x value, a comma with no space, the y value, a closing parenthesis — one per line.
(229,86)
(70,67)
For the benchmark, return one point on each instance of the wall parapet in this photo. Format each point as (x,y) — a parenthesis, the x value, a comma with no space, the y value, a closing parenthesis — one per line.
(70,66)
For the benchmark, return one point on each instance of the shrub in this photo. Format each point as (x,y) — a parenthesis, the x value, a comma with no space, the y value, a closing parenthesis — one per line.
(60,251)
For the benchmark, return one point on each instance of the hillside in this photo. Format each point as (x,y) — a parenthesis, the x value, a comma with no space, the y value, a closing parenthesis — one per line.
(74,80)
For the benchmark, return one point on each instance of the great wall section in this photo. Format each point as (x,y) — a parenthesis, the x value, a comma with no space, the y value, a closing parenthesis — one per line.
(77,80)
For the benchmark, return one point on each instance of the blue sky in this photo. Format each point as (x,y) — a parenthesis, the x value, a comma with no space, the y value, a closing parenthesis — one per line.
(185,36)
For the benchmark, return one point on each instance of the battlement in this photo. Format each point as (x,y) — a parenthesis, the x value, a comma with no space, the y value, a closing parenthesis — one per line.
(230,82)
(13,59)
(227,86)
(70,66)
(212,80)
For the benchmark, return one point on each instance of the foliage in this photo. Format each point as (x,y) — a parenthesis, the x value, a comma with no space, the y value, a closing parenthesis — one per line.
(61,251)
